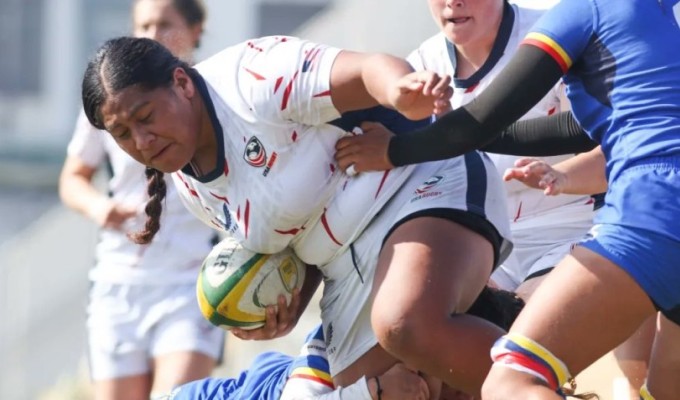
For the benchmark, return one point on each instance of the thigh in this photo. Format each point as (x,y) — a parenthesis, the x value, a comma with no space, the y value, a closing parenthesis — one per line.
(584,308)
(431,267)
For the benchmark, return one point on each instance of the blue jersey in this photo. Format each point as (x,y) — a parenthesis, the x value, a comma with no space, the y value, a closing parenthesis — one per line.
(622,61)
(267,376)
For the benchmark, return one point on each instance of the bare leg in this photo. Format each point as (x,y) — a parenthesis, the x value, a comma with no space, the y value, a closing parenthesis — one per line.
(430,268)
(633,356)
(664,368)
(584,308)
(135,387)
(180,367)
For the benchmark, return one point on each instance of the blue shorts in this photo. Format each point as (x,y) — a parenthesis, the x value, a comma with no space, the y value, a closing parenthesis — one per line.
(639,230)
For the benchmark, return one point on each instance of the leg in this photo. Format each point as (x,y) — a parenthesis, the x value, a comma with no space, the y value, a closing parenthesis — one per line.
(428,269)
(135,387)
(579,322)
(180,367)
(664,367)
(633,356)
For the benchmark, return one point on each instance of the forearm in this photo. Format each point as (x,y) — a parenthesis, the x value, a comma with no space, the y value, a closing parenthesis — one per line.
(554,135)
(78,193)
(585,173)
(527,78)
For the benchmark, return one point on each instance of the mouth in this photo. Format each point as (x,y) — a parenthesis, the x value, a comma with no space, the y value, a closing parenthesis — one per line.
(459,20)
(159,153)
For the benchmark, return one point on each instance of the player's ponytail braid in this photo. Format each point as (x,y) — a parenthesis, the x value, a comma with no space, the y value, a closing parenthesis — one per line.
(156,189)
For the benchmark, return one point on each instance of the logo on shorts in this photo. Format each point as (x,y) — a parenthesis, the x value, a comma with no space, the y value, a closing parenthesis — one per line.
(255,154)
(425,190)
(429,184)
(592,233)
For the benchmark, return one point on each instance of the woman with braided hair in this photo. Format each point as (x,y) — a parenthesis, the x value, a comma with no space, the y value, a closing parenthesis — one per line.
(146,334)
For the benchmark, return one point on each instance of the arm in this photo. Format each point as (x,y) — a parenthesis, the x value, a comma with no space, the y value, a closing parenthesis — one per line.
(363,80)
(77,192)
(545,136)
(528,77)
(581,174)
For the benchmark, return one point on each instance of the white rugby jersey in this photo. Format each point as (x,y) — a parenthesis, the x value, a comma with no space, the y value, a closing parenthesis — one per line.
(277,183)
(177,251)
(438,54)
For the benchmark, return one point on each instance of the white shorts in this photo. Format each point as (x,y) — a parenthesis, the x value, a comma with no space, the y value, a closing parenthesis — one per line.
(468,183)
(541,242)
(129,325)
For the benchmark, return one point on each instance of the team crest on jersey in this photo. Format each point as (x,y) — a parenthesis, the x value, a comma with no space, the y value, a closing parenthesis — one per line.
(255,154)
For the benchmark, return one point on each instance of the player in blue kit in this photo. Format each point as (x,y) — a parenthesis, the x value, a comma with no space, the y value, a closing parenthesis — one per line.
(623,80)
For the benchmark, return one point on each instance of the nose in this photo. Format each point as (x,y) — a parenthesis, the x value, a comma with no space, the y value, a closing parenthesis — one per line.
(143,138)
(455,3)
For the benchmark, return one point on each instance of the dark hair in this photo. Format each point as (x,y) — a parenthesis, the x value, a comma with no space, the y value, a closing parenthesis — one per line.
(118,64)
(193,12)
(497,306)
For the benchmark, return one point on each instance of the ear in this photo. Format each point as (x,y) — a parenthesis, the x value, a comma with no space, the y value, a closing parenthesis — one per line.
(183,83)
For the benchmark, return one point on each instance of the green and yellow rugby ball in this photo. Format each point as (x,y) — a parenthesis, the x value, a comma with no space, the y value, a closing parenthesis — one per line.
(235,285)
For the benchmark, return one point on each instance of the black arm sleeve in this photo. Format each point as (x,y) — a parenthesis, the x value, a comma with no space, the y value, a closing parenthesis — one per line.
(524,81)
(541,137)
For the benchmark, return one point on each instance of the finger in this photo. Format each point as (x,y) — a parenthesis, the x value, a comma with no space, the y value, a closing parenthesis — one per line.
(271,321)
(524,161)
(343,142)
(370,125)
(411,86)
(283,315)
(294,301)
(513,173)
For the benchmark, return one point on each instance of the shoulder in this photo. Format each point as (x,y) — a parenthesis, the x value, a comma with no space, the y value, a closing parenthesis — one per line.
(430,54)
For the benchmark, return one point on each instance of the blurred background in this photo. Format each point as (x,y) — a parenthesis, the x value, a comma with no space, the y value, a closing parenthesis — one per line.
(45,249)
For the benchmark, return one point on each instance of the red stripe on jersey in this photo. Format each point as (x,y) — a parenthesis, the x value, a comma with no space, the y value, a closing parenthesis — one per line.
(323,94)
(191,191)
(272,160)
(278,83)
(226,167)
(238,213)
(224,199)
(382,182)
(246,221)
(551,52)
(332,166)
(324,221)
(519,212)
(293,231)
(255,74)
(552,111)
(293,137)
(313,378)
(286,93)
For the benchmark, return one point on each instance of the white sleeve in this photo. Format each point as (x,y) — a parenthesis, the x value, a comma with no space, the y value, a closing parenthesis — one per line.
(416,60)
(303,389)
(87,142)
(296,79)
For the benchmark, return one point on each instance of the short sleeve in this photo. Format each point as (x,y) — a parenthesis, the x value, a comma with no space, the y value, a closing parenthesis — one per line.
(87,143)
(289,78)
(564,31)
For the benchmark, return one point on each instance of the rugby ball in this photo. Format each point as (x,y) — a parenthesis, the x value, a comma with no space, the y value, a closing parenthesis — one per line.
(235,285)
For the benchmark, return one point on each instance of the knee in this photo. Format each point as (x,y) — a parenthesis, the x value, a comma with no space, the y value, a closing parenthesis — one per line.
(398,331)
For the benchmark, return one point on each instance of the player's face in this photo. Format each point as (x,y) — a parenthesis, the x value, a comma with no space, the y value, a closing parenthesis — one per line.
(159,20)
(467,22)
(158,128)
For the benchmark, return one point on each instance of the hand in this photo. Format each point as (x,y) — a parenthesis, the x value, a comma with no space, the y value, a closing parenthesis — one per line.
(537,174)
(400,383)
(420,94)
(109,214)
(368,151)
(279,320)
